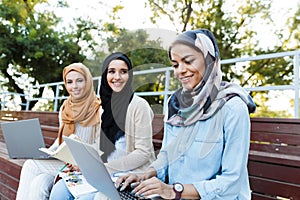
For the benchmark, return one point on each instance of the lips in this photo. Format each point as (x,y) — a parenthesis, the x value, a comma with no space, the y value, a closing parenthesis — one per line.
(117,84)
(185,78)
(76,92)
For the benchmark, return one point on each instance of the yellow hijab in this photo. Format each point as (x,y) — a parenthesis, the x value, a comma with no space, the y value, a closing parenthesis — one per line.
(85,110)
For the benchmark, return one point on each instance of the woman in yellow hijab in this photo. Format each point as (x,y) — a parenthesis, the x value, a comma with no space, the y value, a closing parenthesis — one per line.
(79,115)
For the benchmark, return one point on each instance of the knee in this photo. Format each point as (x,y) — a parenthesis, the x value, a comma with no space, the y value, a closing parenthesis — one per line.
(28,165)
(60,191)
(41,186)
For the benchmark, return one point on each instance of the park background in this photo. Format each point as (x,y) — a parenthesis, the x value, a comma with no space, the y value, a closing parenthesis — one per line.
(39,38)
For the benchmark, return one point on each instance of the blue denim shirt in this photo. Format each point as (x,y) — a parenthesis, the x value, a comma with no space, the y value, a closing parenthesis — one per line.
(212,154)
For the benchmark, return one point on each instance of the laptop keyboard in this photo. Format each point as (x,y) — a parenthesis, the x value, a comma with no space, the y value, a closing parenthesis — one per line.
(125,195)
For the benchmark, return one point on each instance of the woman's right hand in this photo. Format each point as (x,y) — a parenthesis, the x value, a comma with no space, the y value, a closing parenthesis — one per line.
(134,179)
(72,167)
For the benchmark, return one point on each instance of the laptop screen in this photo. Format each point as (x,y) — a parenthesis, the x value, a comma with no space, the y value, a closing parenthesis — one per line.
(23,138)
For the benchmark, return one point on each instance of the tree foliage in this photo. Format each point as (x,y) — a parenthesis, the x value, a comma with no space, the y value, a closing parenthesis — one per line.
(144,54)
(232,23)
(32,46)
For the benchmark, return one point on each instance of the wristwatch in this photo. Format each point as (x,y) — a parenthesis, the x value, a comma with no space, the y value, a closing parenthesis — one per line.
(178,189)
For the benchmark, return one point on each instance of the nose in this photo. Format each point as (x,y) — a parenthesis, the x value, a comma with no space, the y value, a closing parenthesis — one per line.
(181,68)
(117,75)
(74,85)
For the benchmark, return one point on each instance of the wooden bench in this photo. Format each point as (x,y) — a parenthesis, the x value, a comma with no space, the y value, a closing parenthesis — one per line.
(10,168)
(274,158)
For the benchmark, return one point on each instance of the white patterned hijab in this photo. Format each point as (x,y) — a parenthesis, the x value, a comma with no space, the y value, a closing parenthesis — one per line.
(186,107)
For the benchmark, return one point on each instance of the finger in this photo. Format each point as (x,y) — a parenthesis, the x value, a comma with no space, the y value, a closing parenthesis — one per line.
(120,180)
(129,180)
(148,187)
(142,189)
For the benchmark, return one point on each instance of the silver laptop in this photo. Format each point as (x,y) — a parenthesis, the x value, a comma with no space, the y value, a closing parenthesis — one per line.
(94,170)
(23,138)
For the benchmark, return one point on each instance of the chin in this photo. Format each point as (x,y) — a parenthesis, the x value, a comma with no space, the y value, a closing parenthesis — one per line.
(187,87)
(117,89)
(77,97)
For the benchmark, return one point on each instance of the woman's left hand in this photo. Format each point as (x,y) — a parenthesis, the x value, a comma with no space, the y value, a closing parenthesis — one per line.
(153,186)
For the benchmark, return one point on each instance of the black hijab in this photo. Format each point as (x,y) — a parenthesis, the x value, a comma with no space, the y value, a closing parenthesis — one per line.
(115,106)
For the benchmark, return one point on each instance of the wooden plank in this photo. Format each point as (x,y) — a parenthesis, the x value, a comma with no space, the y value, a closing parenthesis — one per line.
(277,125)
(276,138)
(9,181)
(157,144)
(274,158)
(278,149)
(273,171)
(49,134)
(7,193)
(10,168)
(45,117)
(158,126)
(274,188)
(257,196)
(49,131)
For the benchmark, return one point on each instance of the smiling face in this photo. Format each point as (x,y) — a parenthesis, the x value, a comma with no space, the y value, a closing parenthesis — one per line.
(189,65)
(75,84)
(117,75)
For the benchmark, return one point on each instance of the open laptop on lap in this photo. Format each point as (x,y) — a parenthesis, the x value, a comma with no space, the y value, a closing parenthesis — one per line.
(94,170)
(23,138)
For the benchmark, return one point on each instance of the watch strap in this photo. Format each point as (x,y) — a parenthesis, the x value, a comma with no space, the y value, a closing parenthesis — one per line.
(177,192)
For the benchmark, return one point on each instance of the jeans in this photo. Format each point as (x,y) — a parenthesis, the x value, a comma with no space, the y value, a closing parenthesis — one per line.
(61,192)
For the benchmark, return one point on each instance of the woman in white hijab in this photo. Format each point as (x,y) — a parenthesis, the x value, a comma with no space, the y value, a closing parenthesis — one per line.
(207,133)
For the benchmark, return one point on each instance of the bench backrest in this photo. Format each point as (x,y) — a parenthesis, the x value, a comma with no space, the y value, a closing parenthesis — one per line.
(46,118)
(280,136)
(274,158)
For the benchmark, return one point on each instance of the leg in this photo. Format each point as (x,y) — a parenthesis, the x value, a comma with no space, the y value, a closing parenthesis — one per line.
(32,169)
(40,187)
(60,192)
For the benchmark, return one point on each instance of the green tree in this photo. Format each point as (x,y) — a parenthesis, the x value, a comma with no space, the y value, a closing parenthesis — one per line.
(144,54)
(232,23)
(31,45)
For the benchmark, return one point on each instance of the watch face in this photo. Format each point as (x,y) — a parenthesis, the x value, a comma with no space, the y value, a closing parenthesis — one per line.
(178,187)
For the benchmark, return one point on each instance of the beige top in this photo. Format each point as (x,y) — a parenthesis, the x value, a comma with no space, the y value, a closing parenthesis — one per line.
(88,134)
(139,146)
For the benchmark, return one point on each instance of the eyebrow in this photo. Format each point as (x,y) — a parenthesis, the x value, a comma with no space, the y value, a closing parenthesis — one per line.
(113,68)
(183,58)
(70,79)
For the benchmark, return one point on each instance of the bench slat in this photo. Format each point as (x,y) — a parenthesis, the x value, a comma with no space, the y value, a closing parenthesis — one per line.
(6,193)
(276,172)
(276,125)
(276,138)
(274,188)
(278,149)
(274,158)
(257,196)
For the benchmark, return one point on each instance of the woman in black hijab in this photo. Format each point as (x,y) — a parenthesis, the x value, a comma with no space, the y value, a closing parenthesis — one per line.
(126,124)
(114,106)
